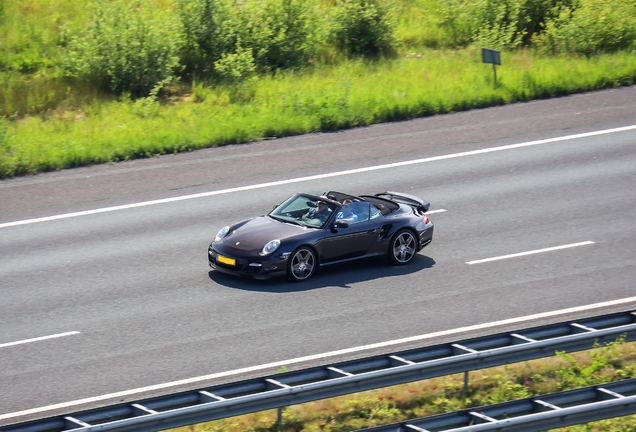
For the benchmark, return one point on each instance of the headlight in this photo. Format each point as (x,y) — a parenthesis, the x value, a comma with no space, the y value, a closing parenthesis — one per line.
(222,233)
(270,247)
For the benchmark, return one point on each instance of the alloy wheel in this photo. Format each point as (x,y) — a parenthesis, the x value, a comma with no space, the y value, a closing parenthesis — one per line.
(302,264)
(403,247)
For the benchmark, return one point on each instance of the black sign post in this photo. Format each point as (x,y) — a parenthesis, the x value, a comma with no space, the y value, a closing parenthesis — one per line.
(491,56)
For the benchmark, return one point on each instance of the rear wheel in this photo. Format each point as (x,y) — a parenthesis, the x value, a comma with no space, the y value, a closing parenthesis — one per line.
(402,248)
(302,264)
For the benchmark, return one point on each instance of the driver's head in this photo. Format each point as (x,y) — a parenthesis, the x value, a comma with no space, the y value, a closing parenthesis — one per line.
(346,206)
(321,206)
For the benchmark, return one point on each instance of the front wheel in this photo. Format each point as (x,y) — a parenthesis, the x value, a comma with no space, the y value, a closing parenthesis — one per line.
(402,248)
(302,264)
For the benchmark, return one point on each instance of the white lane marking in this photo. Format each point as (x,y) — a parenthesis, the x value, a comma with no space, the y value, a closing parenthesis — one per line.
(37,339)
(435,211)
(314,177)
(530,252)
(128,393)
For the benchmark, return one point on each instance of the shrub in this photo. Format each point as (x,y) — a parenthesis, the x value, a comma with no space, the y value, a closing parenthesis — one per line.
(129,46)
(536,13)
(362,27)
(205,35)
(496,23)
(590,26)
(280,33)
(457,21)
(236,67)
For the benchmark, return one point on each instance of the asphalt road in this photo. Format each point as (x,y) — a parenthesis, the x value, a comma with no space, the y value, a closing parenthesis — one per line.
(130,274)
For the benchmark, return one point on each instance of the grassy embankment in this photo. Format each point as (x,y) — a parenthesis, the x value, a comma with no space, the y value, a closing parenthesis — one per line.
(355,93)
(445,394)
(51,125)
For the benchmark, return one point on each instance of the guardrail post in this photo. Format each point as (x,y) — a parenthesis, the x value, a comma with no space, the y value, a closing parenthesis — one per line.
(465,389)
(279,419)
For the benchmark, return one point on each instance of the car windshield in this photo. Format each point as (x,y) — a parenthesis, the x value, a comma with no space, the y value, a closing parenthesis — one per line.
(305,210)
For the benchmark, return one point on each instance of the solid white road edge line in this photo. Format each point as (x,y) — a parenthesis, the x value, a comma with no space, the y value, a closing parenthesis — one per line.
(41,338)
(530,252)
(277,364)
(315,177)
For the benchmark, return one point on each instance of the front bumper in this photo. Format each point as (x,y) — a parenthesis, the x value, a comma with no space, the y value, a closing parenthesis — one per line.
(263,268)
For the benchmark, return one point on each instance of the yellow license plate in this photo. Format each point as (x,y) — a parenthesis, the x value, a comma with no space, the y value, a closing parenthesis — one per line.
(226,260)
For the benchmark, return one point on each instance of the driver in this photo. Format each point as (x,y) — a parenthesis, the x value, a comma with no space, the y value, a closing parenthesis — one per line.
(346,212)
(321,211)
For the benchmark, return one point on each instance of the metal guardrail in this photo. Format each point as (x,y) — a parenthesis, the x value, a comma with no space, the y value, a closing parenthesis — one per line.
(533,414)
(291,388)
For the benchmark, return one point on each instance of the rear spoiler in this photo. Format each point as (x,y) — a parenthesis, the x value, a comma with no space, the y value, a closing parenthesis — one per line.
(405,198)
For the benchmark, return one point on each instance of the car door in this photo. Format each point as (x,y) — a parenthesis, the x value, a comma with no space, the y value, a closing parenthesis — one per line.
(355,240)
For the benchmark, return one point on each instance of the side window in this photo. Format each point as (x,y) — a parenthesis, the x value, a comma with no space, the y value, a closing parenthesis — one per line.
(361,209)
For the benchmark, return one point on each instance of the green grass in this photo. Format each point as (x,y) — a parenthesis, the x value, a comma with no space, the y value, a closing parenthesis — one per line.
(53,123)
(445,394)
(352,93)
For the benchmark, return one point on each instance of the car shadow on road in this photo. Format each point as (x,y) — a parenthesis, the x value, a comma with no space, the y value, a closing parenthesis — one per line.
(341,275)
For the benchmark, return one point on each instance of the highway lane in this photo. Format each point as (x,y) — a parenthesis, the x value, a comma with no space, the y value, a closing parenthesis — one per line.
(135,282)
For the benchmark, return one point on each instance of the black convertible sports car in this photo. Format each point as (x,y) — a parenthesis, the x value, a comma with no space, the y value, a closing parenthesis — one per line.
(309,231)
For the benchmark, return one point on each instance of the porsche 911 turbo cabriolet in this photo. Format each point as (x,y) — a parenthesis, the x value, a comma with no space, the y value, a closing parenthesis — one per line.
(309,231)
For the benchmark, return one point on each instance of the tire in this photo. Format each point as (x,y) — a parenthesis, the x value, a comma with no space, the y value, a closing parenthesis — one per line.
(403,247)
(302,264)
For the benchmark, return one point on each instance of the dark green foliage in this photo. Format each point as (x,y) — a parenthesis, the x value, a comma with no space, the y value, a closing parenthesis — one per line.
(276,34)
(362,27)
(291,26)
(573,26)
(535,13)
(590,26)
(205,34)
(280,33)
(128,47)
(497,23)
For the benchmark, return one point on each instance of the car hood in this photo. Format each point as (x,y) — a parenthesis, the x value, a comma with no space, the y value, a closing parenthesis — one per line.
(255,233)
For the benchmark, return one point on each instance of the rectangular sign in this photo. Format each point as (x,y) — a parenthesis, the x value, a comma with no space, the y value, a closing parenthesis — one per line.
(490,56)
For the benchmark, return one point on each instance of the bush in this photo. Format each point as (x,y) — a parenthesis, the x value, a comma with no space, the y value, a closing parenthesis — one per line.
(235,67)
(280,33)
(205,35)
(496,23)
(590,26)
(129,46)
(456,20)
(536,13)
(362,27)
(500,25)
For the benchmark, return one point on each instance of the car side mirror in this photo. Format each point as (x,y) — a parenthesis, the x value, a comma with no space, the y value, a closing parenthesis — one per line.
(341,224)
